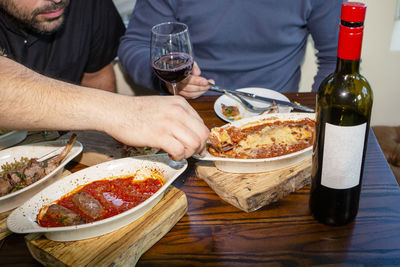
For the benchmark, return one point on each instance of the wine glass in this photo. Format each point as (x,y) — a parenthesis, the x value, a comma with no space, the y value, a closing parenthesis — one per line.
(171,52)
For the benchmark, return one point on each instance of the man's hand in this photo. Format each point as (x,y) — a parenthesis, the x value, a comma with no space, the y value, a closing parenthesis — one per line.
(166,122)
(193,86)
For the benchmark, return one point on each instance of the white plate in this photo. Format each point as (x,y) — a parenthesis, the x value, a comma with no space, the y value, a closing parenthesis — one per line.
(261,165)
(36,150)
(23,219)
(12,138)
(244,112)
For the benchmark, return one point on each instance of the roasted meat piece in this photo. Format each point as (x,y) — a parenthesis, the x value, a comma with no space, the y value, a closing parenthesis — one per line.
(52,163)
(63,216)
(5,186)
(88,204)
(33,172)
(27,172)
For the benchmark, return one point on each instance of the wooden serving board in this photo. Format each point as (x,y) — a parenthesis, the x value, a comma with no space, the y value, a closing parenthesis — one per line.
(4,232)
(122,247)
(251,191)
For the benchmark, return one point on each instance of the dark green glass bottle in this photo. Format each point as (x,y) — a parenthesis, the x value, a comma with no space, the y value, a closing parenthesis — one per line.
(344,104)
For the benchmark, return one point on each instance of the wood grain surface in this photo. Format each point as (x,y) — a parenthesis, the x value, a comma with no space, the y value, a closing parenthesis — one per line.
(215,233)
(4,232)
(251,191)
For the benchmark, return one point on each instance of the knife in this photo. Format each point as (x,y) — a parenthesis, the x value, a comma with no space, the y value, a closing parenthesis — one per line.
(263,98)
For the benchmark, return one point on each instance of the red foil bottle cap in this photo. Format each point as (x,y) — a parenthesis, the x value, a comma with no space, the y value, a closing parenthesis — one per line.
(353,11)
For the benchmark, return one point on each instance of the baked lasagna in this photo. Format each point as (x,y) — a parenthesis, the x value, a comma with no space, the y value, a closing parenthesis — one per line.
(265,138)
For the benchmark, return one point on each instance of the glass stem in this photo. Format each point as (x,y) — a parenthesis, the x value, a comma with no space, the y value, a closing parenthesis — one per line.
(175,88)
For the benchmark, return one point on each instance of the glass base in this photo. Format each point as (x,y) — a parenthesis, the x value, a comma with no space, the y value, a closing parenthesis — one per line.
(177,164)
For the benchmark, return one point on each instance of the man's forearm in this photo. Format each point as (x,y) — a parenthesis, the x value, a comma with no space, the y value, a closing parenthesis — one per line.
(30,101)
(40,102)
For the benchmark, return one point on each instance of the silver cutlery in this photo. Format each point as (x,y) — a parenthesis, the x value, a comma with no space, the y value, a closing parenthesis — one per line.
(249,106)
(262,98)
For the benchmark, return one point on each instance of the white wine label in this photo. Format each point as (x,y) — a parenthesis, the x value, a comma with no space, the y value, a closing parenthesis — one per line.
(342,156)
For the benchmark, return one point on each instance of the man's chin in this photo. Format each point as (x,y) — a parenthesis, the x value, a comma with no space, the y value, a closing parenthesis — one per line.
(48,26)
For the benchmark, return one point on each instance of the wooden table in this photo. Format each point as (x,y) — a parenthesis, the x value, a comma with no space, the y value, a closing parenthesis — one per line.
(218,234)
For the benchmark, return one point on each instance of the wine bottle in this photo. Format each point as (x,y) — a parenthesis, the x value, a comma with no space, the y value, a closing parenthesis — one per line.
(344,104)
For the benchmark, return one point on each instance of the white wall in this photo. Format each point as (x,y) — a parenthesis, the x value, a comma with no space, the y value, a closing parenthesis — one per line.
(379,65)
(125,8)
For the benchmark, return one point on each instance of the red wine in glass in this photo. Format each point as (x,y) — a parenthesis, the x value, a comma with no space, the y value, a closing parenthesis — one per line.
(173,67)
(171,52)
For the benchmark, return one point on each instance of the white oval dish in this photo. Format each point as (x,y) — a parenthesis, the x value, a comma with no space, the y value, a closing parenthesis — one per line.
(244,112)
(36,150)
(12,138)
(23,219)
(261,165)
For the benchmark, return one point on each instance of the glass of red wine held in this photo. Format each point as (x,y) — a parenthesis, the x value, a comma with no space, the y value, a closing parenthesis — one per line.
(171,52)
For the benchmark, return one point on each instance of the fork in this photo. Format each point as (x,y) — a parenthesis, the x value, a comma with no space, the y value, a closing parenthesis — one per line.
(249,105)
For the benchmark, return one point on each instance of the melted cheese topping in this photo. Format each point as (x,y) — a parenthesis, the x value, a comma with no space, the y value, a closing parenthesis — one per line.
(262,139)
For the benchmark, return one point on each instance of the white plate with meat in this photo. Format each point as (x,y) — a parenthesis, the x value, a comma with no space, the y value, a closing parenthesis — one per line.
(10,138)
(262,143)
(19,184)
(84,213)
(230,109)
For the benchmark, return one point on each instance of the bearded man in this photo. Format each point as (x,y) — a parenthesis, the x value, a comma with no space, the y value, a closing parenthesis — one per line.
(70,40)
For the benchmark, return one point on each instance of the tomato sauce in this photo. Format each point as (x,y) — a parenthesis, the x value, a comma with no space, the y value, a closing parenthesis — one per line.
(115,195)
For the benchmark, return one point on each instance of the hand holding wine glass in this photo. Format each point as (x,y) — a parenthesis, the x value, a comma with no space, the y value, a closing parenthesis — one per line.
(171,52)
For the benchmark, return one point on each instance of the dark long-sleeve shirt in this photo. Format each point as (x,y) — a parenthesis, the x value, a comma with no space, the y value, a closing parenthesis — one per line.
(87,41)
(238,43)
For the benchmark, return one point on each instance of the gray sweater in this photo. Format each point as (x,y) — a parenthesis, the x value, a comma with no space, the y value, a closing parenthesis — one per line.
(239,43)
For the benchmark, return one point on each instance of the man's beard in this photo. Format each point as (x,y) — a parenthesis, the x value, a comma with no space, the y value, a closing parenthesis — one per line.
(31,22)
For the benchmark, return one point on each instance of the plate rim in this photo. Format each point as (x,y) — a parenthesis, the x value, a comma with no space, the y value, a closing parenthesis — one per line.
(45,178)
(209,157)
(16,136)
(244,89)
